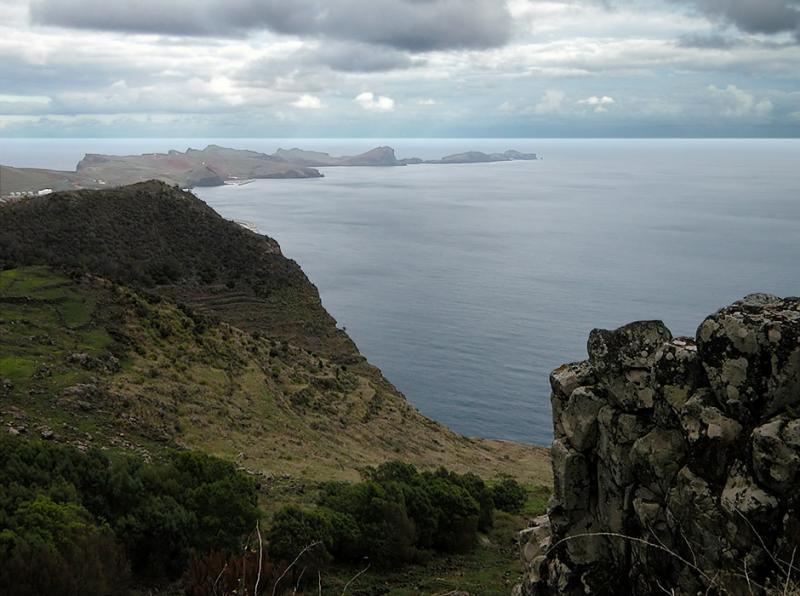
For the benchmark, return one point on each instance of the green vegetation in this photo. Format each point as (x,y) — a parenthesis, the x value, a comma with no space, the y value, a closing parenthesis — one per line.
(166,375)
(393,517)
(508,495)
(74,523)
(491,568)
(137,324)
(151,235)
(45,318)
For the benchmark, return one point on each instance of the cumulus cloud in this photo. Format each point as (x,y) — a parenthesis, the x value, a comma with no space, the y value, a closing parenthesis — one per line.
(600,104)
(754,16)
(413,25)
(375,103)
(738,103)
(307,102)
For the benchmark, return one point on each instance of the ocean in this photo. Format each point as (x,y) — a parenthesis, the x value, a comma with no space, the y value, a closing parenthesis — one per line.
(468,284)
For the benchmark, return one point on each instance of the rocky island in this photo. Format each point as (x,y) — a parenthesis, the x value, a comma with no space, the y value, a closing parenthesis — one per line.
(212,166)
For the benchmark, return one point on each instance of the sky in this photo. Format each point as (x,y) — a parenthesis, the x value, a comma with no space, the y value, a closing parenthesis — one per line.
(400,68)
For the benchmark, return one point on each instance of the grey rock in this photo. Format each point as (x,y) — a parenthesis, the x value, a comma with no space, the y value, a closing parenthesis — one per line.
(657,457)
(563,381)
(751,353)
(710,433)
(677,371)
(776,455)
(689,445)
(624,360)
(579,418)
(742,495)
(570,477)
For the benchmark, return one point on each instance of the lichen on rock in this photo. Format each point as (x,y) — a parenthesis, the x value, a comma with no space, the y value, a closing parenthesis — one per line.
(676,461)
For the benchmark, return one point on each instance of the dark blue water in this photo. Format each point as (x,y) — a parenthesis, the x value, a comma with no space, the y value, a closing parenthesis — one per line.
(467,284)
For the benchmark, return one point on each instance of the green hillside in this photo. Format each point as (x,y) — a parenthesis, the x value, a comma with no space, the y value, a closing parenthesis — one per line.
(138,324)
(142,317)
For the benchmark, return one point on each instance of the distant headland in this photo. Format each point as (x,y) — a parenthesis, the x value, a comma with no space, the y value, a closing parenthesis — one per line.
(212,166)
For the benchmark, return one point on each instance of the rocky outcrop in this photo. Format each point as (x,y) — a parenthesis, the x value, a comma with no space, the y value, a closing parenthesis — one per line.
(676,460)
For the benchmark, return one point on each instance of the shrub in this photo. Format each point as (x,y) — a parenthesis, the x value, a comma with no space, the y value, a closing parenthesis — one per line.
(509,495)
(386,534)
(294,529)
(55,500)
(477,489)
(399,511)
(458,516)
(54,548)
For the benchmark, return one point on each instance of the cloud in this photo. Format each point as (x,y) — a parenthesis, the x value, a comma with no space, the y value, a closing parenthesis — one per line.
(598,103)
(551,102)
(380,103)
(24,104)
(738,103)
(307,102)
(754,16)
(358,57)
(706,42)
(413,25)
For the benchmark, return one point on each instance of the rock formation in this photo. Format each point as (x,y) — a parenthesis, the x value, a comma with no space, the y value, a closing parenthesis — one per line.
(676,461)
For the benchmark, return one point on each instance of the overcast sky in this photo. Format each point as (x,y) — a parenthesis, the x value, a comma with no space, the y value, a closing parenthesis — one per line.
(389,68)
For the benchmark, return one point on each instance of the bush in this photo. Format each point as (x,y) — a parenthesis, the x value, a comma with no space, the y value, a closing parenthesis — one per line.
(294,529)
(509,495)
(385,533)
(478,490)
(458,516)
(53,548)
(397,513)
(57,503)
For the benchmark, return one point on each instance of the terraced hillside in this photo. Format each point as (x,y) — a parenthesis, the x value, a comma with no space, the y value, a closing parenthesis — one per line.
(139,319)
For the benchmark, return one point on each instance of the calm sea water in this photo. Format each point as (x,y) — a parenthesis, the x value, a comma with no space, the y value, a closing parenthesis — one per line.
(467,284)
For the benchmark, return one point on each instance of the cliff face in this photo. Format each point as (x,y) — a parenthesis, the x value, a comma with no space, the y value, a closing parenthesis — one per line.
(676,461)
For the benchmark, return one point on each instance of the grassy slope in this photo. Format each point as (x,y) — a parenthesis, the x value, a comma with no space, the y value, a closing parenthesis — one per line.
(100,363)
(313,408)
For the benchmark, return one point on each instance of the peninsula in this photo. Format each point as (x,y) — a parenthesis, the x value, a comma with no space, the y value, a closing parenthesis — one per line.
(212,166)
